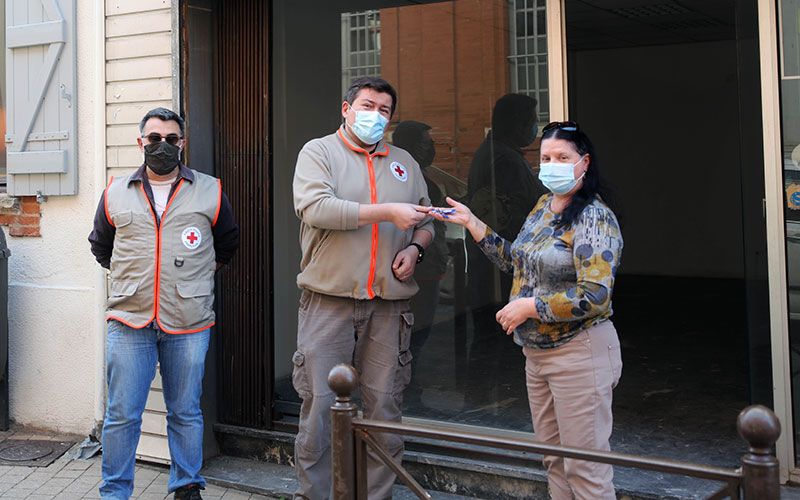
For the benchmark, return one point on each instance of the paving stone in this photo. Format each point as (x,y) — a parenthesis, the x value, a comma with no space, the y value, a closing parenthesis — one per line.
(152,496)
(235,495)
(67,495)
(92,494)
(214,490)
(66,473)
(19,471)
(60,481)
(78,465)
(17,492)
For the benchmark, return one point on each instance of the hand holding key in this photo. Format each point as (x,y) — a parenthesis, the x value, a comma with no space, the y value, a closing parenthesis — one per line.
(460,214)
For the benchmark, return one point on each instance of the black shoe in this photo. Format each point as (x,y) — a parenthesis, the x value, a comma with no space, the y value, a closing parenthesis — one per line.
(188,492)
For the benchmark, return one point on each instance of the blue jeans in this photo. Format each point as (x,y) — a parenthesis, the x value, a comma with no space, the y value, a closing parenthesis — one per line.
(131,356)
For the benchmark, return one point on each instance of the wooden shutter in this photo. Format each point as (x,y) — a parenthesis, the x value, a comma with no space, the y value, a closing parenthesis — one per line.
(41,112)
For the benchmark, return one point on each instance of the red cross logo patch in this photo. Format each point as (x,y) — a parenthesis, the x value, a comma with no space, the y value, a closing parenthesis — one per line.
(399,171)
(191,238)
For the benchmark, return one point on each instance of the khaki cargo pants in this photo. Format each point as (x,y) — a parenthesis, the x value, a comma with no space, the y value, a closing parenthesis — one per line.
(374,336)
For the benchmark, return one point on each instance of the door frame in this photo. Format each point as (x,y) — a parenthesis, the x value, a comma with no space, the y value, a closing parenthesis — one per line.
(557,59)
(776,235)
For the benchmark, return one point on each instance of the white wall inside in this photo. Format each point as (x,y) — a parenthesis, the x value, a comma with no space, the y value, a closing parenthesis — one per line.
(55,322)
(665,122)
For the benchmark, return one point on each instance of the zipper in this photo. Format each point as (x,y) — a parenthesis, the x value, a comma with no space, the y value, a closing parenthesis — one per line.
(159,225)
(373,196)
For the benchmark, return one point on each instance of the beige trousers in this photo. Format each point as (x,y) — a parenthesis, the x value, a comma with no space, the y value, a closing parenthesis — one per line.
(569,391)
(373,336)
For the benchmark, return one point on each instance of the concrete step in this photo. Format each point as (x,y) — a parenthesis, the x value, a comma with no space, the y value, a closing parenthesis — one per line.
(275,480)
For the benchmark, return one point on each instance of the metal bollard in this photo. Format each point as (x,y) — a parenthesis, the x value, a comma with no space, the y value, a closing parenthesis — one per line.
(342,380)
(759,426)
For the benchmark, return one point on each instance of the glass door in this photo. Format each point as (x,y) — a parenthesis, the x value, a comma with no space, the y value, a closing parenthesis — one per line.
(476,80)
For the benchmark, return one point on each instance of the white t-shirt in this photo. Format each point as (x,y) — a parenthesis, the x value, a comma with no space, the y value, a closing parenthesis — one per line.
(161,195)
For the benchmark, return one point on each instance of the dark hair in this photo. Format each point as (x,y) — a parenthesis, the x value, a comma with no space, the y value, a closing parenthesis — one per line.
(592,187)
(374,83)
(162,114)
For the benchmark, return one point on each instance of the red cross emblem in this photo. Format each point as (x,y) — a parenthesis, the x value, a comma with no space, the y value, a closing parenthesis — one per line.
(191,237)
(399,171)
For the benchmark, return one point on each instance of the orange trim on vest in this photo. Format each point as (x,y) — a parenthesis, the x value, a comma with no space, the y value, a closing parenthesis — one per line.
(219,203)
(184,332)
(373,198)
(109,317)
(105,202)
(158,252)
(171,332)
(158,244)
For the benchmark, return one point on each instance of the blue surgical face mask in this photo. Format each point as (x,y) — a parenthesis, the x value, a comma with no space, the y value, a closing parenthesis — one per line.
(559,178)
(369,126)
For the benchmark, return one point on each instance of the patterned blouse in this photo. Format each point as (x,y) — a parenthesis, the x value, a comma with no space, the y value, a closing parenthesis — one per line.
(569,271)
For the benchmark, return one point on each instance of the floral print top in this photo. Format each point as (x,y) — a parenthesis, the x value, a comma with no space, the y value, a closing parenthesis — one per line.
(570,271)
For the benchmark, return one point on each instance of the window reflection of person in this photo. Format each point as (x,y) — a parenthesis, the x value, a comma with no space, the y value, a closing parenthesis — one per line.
(502,190)
(415,137)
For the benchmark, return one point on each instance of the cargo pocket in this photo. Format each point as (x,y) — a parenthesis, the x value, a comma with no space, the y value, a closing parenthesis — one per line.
(615,360)
(197,302)
(299,375)
(121,292)
(122,219)
(404,357)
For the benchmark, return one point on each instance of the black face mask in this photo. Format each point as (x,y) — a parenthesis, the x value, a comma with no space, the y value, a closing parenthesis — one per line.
(162,157)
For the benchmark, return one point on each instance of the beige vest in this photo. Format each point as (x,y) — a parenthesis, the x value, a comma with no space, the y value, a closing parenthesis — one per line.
(163,272)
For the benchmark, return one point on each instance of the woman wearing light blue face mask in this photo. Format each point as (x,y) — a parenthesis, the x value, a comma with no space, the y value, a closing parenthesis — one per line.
(564,261)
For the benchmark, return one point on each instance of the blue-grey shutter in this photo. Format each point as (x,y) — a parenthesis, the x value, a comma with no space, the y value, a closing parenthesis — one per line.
(40,82)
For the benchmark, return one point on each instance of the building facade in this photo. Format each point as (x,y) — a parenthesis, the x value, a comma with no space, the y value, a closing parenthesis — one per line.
(695,113)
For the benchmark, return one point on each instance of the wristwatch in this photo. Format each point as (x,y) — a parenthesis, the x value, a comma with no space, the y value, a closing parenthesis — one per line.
(421,250)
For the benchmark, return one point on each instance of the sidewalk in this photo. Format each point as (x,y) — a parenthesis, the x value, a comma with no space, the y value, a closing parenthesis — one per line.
(78,479)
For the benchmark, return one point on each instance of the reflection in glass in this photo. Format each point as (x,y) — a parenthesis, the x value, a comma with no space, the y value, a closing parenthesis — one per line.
(790,116)
(450,62)
(790,18)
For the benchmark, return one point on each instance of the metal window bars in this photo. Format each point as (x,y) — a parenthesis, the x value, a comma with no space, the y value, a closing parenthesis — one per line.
(528,52)
(361,45)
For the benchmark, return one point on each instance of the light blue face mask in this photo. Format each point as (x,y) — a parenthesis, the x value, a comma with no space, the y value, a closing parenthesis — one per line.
(559,178)
(369,126)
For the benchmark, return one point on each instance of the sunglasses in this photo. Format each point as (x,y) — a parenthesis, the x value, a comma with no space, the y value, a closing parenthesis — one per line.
(568,126)
(172,139)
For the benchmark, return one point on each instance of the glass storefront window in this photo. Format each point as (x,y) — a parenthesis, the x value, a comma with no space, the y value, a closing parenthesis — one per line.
(450,62)
(790,118)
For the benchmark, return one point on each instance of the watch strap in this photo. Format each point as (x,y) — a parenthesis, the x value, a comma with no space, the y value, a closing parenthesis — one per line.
(421,250)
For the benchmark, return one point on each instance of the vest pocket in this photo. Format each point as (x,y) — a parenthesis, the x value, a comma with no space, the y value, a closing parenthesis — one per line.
(122,219)
(121,291)
(196,302)
(192,289)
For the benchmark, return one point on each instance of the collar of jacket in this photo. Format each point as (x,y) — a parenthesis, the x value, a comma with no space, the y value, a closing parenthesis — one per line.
(380,148)
(141,174)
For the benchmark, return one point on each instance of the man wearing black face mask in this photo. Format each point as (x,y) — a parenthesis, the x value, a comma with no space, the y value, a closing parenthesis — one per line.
(162,232)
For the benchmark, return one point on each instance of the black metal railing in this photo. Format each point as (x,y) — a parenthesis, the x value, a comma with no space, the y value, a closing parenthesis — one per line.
(757,478)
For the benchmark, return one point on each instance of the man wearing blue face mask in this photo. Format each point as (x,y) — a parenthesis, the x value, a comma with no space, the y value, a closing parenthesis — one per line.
(363,209)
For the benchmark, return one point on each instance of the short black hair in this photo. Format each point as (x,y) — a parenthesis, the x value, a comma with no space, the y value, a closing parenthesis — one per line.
(162,114)
(374,83)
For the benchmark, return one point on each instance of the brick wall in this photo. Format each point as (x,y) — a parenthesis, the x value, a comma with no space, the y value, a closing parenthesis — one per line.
(21,215)
(449,63)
